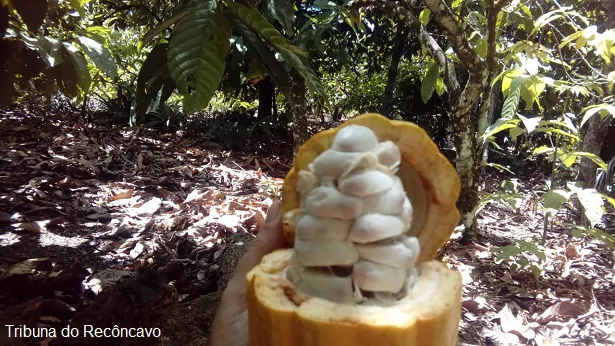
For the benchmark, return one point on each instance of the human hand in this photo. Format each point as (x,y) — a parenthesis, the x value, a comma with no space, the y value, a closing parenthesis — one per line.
(230,326)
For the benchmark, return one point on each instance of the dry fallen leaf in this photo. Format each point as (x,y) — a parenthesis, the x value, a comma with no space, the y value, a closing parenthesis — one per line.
(127,193)
(501,338)
(559,311)
(513,324)
(69,183)
(34,227)
(148,208)
(23,267)
(229,221)
(572,252)
(106,278)
(137,250)
(476,304)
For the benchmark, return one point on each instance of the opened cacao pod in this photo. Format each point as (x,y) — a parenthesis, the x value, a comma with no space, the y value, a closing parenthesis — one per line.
(366,207)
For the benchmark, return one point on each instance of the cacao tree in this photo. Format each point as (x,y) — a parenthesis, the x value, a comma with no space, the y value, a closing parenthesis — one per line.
(491,41)
(193,61)
(557,78)
(469,105)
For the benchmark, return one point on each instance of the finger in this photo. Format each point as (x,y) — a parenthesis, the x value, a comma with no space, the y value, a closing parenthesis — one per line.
(231,318)
(268,239)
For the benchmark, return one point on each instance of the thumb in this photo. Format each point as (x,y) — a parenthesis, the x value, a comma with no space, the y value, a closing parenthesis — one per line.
(268,239)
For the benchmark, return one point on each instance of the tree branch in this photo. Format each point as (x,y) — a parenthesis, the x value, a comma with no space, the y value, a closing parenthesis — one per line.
(492,14)
(403,14)
(455,35)
(450,77)
(498,6)
(486,108)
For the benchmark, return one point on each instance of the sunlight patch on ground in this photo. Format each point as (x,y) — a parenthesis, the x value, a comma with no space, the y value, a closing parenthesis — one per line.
(52,239)
(8,239)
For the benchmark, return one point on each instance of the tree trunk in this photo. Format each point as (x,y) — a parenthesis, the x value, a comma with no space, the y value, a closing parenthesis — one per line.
(470,121)
(596,130)
(300,110)
(318,111)
(337,114)
(466,118)
(490,94)
(275,105)
(266,91)
(398,49)
(495,105)
(593,138)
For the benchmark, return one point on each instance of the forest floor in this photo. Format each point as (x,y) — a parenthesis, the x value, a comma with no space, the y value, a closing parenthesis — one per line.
(105,226)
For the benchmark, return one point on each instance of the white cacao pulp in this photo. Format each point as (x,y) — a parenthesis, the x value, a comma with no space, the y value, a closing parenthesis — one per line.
(350,229)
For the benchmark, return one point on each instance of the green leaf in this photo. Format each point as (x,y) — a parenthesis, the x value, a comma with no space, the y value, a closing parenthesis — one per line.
(32,12)
(561,132)
(580,43)
(530,123)
(283,12)
(609,199)
(100,55)
(507,79)
(545,19)
(429,81)
(566,124)
(78,6)
(500,125)
(324,4)
(531,90)
(154,65)
(542,150)
(440,87)
(554,199)
(509,109)
(607,239)
(536,270)
(568,159)
(533,249)
(294,56)
(353,21)
(84,79)
(481,47)
(592,204)
(595,158)
(424,16)
(257,45)
(570,38)
(507,252)
(515,132)
(456,3)
(196,54)
(147,38)
(603,109)
(72,74)
(49,48)
(499,167)
(98,30)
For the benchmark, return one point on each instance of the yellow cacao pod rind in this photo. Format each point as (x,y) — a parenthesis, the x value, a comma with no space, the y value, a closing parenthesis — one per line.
(281,316)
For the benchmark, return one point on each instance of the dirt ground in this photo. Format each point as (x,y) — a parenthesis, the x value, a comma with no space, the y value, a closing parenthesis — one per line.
(102,225)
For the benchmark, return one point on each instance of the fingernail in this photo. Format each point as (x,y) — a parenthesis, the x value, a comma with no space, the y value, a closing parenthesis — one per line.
(274,212)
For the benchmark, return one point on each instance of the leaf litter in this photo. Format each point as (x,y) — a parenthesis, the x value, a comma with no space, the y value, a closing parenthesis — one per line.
(570,302)
(108,225)
(105,225)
